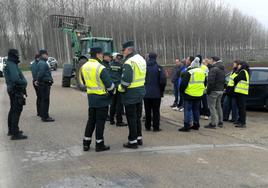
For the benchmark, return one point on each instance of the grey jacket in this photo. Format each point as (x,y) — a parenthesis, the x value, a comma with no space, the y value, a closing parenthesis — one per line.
(216,77)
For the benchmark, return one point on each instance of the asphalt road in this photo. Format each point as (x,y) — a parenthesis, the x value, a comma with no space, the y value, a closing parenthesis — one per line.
(52,157)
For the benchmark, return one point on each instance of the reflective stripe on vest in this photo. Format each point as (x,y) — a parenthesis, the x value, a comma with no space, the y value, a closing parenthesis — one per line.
(243,86)
(196,85)
(231,79)
(138,65)
(91,72)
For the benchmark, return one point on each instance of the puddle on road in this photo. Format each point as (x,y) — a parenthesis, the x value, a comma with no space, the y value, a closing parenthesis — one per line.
(94,182)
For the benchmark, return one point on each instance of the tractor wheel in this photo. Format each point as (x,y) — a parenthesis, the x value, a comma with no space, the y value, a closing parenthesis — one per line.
(66,82)
(79,84)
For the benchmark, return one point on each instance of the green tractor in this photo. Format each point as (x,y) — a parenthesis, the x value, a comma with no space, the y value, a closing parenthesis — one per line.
(82,41)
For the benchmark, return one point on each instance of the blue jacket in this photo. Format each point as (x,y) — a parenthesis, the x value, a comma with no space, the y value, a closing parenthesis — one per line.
(183,69)
(154,76)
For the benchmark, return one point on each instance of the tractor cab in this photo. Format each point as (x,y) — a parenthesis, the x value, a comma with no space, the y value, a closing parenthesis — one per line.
(87,43)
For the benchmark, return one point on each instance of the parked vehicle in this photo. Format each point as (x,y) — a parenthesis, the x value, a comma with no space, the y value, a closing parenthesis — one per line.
(258,87)
(53,63)
(2,65)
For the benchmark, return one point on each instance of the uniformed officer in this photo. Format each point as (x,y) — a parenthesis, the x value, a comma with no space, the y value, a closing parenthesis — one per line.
(44,82)
(16,88)
(116,106)
(35,85)
(132,89)
(100,88)
(192,87)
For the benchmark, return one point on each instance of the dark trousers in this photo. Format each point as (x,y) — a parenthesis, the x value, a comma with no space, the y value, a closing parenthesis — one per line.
(204,110)
(241,103)
(133,114)
(38,100)
(191,109)
(152,105)
(116,108)
(229,105)
(176,93)
(44,90)
(14,113)
(96,119)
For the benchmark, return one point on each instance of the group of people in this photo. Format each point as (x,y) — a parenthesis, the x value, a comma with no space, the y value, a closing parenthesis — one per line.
(121,83)
(200,90)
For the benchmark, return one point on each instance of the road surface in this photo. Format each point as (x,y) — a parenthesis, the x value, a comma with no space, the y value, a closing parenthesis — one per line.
(52,157)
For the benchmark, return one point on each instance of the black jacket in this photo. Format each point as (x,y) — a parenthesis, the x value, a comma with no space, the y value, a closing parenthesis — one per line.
(216,77)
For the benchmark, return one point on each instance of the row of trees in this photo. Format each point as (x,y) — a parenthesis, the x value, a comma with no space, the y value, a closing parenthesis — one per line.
(172,28)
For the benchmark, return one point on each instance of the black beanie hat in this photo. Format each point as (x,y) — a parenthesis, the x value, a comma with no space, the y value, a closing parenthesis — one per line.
(13,53)
(43,51)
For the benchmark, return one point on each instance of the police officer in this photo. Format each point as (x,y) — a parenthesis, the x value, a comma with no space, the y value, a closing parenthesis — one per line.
(100,88)
(44,82)
(192,87)
(132,89)
(16,88)
(116,106)
(35,85)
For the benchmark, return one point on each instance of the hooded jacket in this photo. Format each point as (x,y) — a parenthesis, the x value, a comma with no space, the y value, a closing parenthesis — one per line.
(153,80)
(216,77)
(15,80)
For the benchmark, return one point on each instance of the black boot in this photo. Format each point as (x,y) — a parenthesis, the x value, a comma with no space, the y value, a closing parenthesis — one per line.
(86,145)
(101,147)
(140,142)
(183,129)
(9,133)
(131,146)
(195,127)
(18,137)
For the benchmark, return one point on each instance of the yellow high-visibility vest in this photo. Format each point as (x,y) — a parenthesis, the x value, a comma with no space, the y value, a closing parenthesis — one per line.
(196,85)
(138,65)
(91,72)
(205,69)
(242,86)
(231,79)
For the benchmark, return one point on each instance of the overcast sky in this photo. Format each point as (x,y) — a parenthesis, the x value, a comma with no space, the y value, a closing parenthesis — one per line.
(256,8)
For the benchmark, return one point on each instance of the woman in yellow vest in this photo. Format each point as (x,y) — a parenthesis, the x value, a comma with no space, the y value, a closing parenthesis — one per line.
(229,103)
(241,90)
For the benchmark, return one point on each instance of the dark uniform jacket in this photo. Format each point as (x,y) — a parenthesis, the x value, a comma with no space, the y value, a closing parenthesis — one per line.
(44,72)
(116,72)
(34,69)
(14,78)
